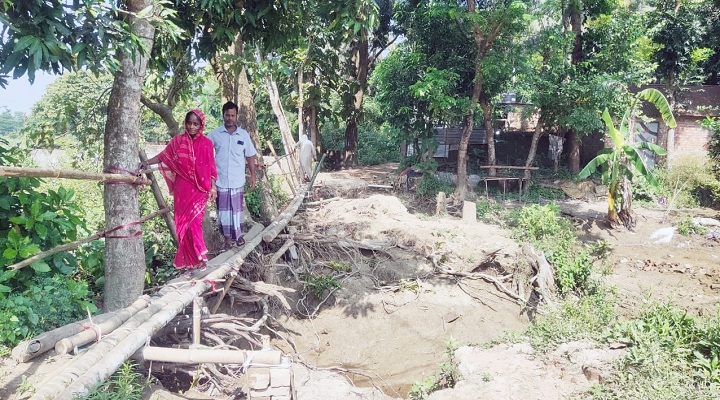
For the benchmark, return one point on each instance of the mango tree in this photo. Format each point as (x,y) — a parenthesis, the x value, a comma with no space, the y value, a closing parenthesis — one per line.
(622,162)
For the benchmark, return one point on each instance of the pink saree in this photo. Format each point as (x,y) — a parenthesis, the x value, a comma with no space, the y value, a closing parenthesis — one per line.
(188,165)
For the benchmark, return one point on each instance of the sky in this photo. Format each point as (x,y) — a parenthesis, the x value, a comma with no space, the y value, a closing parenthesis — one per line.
(20,95)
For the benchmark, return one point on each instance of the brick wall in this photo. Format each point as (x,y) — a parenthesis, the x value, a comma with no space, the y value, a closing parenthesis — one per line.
(691,139)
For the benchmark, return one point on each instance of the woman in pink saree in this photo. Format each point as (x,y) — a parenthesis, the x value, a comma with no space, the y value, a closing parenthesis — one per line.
(188,165)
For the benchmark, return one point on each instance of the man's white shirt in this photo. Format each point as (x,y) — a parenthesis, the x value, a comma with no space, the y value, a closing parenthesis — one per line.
(230,153)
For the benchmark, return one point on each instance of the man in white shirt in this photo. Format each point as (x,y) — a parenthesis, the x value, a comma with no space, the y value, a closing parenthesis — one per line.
(233,151)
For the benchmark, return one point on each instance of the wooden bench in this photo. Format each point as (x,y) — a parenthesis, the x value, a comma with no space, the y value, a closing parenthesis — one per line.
(505,179)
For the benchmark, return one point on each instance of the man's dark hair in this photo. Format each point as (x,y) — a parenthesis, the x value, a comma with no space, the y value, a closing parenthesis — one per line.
(228,106)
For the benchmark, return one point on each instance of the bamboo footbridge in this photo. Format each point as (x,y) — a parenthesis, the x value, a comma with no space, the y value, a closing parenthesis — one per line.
(112,338)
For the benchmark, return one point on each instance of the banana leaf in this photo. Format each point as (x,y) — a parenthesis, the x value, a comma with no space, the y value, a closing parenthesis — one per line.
(656,97)
(596,162)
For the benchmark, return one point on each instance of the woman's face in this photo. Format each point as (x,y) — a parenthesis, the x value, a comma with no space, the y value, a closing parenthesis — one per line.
(192,124)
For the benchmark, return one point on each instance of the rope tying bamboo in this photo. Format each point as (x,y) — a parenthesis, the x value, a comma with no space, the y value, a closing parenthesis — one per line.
(95,328)
(115,170)
(117,228)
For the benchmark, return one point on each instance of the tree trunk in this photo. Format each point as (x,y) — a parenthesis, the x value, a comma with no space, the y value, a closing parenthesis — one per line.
(663,135)
(576,58)
(301,101)
(489,134)
(313,127)
(573,151)
(461,185)
(350,156)
(576,26)
(124,253)
(533,146)
(483,44)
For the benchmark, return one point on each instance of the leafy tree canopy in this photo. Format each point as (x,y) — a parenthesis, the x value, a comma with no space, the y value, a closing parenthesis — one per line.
(55,35)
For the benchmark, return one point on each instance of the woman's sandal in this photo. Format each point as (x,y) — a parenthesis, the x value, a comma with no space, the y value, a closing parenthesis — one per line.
(188,273)
(240,242)
(202,267)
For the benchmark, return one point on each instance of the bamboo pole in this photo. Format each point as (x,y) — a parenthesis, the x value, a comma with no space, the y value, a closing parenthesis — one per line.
(288,177)
(95,332)
(70,174)
(282,220)
(29,349)
(196,321)
(77,243)
(157,193)
(105,357)
(200,356)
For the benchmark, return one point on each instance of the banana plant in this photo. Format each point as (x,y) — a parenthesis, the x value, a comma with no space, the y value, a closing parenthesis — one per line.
(621,163)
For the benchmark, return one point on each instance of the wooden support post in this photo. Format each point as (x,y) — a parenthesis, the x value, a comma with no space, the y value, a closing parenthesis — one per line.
(157,193)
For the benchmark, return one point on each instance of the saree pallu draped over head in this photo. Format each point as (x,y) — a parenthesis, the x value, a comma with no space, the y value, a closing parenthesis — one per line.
(188,165)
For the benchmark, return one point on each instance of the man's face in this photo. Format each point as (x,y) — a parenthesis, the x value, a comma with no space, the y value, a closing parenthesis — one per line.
(230,118)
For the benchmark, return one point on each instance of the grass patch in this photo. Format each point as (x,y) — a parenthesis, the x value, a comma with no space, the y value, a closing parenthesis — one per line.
(125,384)
(671,355)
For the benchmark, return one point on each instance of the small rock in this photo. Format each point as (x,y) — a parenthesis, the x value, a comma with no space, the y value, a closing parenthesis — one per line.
(592,374)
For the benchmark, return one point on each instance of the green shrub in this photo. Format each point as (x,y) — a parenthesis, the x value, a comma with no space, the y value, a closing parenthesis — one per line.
(542,223)
(587,317)
(573,271)
(547,231)
(47,304)
(31,221)
(713,124)
(537,193)
(429,186)
(253,199)
(318,284)
(689,184)
(377,146)
(687,227)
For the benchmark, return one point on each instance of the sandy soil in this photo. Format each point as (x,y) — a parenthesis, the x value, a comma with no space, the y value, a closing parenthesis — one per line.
(389,323)
(400,335)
